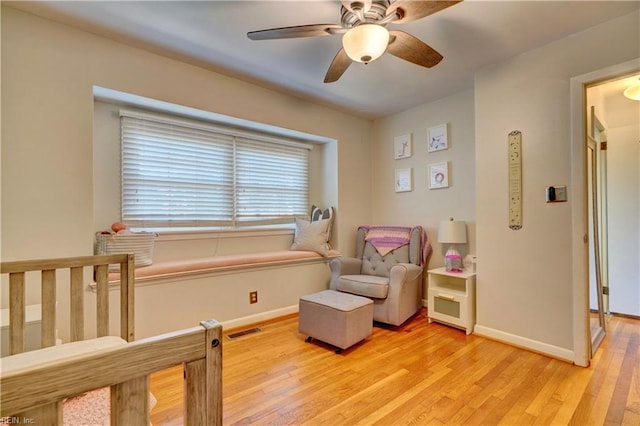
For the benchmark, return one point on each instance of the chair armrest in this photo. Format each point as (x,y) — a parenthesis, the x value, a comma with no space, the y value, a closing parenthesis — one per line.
(403,273)
(405,292)
(343,266)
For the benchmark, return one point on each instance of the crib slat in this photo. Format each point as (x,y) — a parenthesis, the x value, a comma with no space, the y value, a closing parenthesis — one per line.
(102,299)
(16,313)
(77,304)
(48,332)
(127,294)
(130,402)
(195,393)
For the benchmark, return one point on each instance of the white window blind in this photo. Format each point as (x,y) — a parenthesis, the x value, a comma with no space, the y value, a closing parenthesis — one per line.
(183,173)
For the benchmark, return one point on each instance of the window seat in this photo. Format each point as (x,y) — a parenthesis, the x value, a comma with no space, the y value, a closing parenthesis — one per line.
(225,263)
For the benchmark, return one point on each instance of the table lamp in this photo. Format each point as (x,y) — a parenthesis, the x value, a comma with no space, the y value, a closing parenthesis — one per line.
(452,232)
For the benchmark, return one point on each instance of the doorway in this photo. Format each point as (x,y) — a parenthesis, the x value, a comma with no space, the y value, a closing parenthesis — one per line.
(580,128)
(613,182)
(619,174)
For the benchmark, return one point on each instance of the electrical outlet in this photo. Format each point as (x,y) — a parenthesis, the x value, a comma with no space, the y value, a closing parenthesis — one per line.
(253,297)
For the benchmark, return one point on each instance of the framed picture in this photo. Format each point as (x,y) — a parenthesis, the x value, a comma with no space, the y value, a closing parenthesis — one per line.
(404,180)
(439,175)
(438,138)
(402,146)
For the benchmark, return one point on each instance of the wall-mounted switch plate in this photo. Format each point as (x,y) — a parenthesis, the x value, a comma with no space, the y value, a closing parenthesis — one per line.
(556,194)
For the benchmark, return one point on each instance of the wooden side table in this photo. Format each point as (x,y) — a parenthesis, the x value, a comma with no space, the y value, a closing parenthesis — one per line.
(452,298)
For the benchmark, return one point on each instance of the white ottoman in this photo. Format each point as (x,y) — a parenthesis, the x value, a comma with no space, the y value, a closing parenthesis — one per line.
(340,319)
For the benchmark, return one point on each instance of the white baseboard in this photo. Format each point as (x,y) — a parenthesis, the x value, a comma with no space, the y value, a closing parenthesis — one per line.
(523,342)
(262,316)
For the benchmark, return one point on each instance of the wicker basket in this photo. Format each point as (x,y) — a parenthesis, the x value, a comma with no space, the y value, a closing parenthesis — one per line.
(139,243)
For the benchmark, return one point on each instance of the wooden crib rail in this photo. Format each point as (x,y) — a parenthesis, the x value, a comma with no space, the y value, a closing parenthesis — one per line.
(38,391)
(47,267)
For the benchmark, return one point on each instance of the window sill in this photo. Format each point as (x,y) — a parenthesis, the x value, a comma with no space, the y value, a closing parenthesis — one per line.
(177,234)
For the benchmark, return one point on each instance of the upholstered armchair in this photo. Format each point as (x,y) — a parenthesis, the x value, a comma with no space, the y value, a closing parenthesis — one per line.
(387,269)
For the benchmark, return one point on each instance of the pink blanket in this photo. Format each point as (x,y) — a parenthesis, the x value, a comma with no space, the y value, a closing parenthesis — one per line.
(388,238)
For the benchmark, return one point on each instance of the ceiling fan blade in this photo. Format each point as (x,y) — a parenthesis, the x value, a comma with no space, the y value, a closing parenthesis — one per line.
(407,47)
(411,10)
(339,65)
(294,32)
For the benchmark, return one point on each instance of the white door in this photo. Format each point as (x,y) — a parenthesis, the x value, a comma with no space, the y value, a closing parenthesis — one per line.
(597,326)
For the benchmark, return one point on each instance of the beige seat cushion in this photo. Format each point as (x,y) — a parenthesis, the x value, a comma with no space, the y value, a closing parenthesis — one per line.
(364,285)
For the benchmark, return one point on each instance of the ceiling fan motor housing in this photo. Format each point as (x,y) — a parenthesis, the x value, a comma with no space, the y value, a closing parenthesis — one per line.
(376,14)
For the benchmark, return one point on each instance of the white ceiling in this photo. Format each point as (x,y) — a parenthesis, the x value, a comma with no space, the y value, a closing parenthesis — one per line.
(212,34)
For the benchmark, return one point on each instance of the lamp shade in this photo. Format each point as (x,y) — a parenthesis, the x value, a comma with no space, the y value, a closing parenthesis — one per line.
(366,42)
(452,232)
(633,92)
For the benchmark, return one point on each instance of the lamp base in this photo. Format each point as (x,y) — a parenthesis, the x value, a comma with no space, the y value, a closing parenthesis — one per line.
(453,260)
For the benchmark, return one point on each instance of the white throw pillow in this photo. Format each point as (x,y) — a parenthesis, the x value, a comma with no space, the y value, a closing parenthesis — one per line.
(311,236)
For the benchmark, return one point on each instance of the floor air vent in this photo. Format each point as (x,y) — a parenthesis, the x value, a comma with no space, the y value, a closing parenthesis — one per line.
(232,336)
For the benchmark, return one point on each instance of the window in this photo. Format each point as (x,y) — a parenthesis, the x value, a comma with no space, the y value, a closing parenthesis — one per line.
(183,173)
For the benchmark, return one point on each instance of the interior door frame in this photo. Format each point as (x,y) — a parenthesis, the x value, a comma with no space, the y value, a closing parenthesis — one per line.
(599,135)
(594,238)
(579,246)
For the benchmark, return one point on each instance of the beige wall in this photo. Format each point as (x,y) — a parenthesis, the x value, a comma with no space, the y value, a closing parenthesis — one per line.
(524,280)
(623,210)
(424,206)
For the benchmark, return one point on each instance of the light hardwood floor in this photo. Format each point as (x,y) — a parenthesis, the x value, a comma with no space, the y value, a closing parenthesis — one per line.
(417,374)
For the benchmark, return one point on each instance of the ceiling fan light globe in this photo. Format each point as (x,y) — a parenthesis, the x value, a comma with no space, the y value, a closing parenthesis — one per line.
(366,42)
(633,92)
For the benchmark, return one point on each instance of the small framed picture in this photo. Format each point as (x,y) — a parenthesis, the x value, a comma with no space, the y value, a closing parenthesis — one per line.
(438,139)
(404,180)
(402,146)
(439,175)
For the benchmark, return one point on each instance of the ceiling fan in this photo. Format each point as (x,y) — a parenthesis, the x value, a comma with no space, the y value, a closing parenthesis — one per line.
(365,37)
